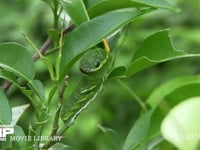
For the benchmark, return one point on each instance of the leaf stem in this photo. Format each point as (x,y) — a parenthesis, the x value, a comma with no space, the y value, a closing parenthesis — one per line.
(32,44)
(58,61)
(134,95)
(55,14)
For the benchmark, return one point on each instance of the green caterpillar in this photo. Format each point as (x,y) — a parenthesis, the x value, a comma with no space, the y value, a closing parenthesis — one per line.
(94,66)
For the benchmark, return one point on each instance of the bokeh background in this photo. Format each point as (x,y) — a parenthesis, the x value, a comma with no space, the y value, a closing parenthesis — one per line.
(110,117)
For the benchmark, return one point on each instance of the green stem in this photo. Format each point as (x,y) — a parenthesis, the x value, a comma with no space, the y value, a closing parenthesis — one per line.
(54,131)
(58,61)
(38,134)
(134,95)
(63,129)
(60,133)
(55,124)
(55,13)
(50,143)
(42,120)
(32,44)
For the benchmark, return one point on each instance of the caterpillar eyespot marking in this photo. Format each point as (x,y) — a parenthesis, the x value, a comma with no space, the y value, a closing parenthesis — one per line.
(97,65)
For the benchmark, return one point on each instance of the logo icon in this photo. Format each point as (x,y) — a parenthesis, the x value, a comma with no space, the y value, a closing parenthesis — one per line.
(4,131)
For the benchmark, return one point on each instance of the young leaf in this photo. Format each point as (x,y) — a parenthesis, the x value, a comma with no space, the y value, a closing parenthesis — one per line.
(169,95)
(92,32)
(35,85)
(38,87)
(31,133)
(177,96)
(21,64)
(5,111)
(155,49)
(112,136)
(103,6)
(152,143)
(51,94)
(182,126)
(54,36)
(60,147)
(18,131)
(118,72)
(76,10)
(17,113)
(9,76)
(158,4)
(138,132)
(166,89)
(90,3)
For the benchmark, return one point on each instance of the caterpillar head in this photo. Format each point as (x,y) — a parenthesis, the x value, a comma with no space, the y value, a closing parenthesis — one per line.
(93,61)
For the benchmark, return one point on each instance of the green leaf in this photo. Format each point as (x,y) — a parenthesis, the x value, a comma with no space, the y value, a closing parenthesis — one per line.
(35,102)
(38,87)
(15,58)
(158,4)
(163,99)
(112,136)
(182,126)
(152,143)
(90,3)
(35,85)
(51,94)
(5,111)
(173,98)
(103,6)
(187,84)
(155,49)
(168,95)
(138,132)
(54,36)
(60,147)
(92,32)
(9,76)
(31,133)
(49,66)
(18,131)
(118,72)
(76,10)
(17,113)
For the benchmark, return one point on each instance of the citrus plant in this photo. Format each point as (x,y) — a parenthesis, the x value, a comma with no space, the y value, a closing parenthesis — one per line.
(90,33)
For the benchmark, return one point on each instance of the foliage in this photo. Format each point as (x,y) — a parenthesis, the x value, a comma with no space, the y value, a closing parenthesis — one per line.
(148,84)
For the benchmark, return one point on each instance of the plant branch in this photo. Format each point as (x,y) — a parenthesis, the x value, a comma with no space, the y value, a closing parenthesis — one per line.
(36,56)
(61,92)
(55,128)
(6,86)
(48,43)
(43,49)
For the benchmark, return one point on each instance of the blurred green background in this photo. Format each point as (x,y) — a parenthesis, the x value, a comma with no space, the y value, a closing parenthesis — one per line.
(110,117)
